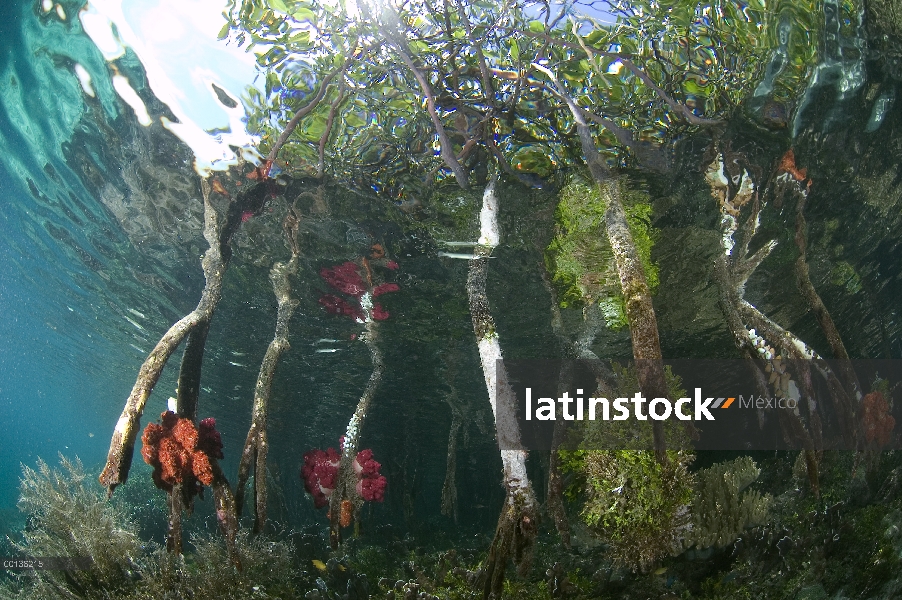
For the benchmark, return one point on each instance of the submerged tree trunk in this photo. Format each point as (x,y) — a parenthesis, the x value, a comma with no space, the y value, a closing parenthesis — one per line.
(346,480)
(257,444)
(517,525)
(640,311)
(122,445)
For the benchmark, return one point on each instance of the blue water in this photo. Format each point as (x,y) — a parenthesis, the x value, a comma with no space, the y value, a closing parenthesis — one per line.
(67,276)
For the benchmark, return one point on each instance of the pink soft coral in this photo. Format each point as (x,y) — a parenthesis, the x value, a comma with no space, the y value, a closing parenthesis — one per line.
(345,279)
(320,475)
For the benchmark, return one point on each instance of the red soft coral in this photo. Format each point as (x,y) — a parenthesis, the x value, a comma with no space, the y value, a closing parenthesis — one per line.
(379,313)
(337,306)
(346,278)
(364,465)
(385,288)
(180,453)
(372,489)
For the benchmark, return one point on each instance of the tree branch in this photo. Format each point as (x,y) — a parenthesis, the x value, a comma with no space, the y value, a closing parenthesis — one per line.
(321,165)
(447,150)
(305,110)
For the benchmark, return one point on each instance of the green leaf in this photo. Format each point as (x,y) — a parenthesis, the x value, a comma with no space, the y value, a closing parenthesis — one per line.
(303,14)
(418,46)
(537,26)
(515,50)
(594,37)
(300,38)
(278,5)
(353,120)
(224,32)
(312,129)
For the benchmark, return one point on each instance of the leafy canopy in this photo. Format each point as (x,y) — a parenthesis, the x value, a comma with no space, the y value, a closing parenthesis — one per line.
(428,83)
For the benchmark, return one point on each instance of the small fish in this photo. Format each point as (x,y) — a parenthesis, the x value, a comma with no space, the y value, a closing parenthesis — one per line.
(235,364)
(326,350)
(324,341)
(236,353)
(90,434)
(207,389)
(136,313)
(461,255)
(660,571)
(140,328)
(456,244)
(138,349)
(319,564)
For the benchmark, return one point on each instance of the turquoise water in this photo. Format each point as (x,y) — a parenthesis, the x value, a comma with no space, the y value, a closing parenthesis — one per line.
(100,242)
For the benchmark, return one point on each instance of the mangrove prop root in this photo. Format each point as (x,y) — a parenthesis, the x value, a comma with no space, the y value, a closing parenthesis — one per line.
(640,311)
(732,270)
(514,539)
(554,494)
(224,502)
(346,478)
(214,264)
(256,443)
(554,499)
(222,218)
(176,505)
(516,533)
(807,288)
(190,370)
(449,487)
(851,390)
